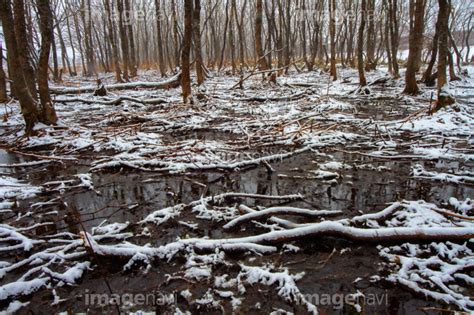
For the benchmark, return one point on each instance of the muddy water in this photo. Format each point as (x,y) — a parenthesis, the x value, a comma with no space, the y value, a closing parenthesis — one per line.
(331,266)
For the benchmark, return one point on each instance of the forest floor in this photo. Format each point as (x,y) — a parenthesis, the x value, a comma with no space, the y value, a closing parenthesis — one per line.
(291,197)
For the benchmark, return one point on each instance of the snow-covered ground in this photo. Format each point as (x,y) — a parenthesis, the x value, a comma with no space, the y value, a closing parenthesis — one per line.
(304,138)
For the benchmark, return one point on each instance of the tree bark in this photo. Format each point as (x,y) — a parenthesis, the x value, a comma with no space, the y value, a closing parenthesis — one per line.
(417,13)
(186,50)
(197,42)
(444,98)
(428,77)
(86,15)
(261,61)
(160,44)
(27,102)
(48,114)
(332,32)
(131,37)
(360,45)
(175,34)
(22,44)
(394,36)
(113,42)
(123,41)
(370,16)
(3,79)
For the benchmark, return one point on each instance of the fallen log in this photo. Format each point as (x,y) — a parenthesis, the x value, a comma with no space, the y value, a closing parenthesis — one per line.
(113,102)
(172,82)
(337,229)
(261,99)
(263,243)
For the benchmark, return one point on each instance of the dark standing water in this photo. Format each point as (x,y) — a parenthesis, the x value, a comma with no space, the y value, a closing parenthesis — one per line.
(363,184)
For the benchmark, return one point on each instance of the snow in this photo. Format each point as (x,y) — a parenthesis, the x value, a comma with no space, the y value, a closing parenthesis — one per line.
(419,171)
(463,206)
(339,131)
(13,289)
(71,275)
(12,188)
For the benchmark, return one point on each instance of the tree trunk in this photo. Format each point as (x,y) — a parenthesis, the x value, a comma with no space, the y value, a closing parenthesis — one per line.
(232,39)
(240,28)
(394,36)
(68,24)
(86,15)
(197,42)
(113,42)
(3,79)
(417,13)
(370,16)
(332,32)
(175,33)
(444,98)
(186,50)
(79,42)
(133,58)
(261,61)
(27,102)
(22,44)
(428,77)
(387,36)
(287,49)
(224,40)
(161,59)
(123,41)
(48,114)
(360,45)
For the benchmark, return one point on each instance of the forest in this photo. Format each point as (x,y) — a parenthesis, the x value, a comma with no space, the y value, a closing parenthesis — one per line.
(236,157)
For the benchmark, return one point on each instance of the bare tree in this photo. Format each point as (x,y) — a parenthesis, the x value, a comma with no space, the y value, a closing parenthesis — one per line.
(131,38)
(262,62)
(444,97)
(113,42)
(27,102)
(186,50)
(47,113)
(123,41)
(417,13)
(394,36)
(159,38)
(22,43)
(197,42)
(360,44)
(332,31)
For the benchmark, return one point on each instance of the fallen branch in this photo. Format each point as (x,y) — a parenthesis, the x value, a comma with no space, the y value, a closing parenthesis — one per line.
(294,97)
(114,102)
(173,82)
(278,210)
